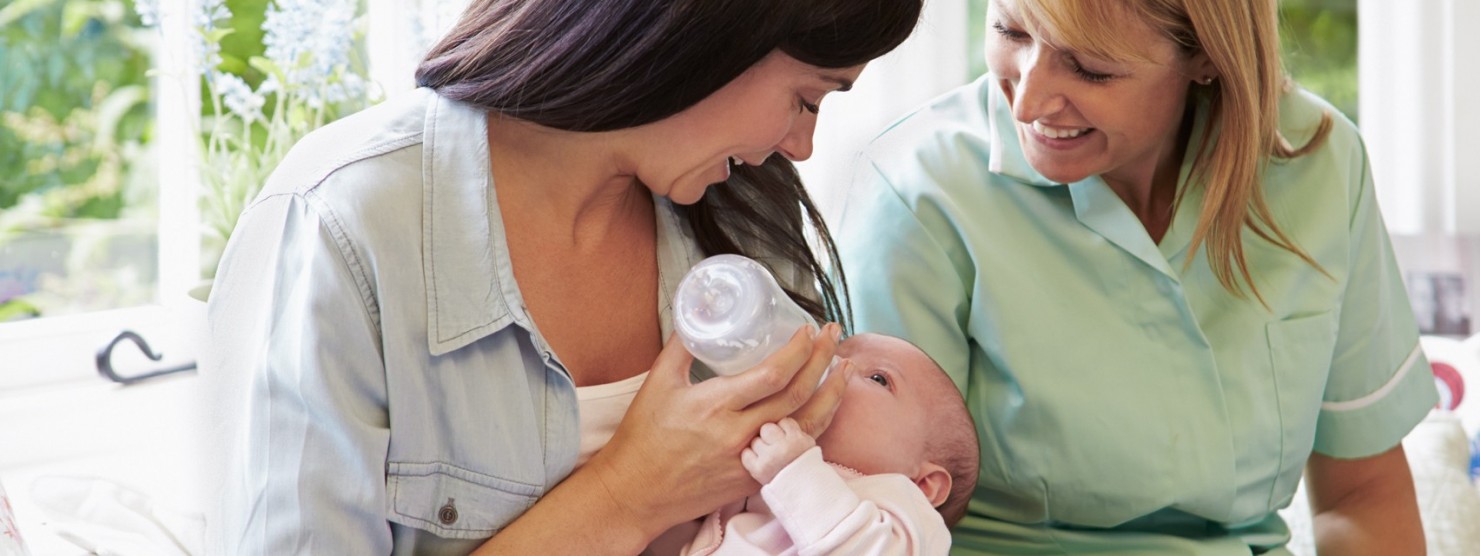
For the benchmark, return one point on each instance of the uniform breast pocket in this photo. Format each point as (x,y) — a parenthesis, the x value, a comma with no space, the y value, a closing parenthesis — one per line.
(1300,352)
(452,502)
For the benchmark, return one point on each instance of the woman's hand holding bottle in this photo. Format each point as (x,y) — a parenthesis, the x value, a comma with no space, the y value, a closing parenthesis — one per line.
(676,455)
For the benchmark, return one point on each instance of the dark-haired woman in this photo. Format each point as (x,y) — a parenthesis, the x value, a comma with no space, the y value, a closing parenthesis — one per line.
(437,308)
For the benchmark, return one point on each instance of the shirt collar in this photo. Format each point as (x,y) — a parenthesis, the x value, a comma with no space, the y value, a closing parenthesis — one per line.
(1094,203)
(1007,153)
(470,285)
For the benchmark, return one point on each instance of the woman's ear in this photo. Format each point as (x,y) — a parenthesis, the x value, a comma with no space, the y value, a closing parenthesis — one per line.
(1200,69)
(935,482)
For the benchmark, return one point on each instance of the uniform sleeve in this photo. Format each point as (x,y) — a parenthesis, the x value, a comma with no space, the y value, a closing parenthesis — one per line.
(823,514)
(1380,385)
(902,280)
(294,336)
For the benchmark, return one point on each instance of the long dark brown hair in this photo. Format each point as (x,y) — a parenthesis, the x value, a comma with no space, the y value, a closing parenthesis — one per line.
(600,65)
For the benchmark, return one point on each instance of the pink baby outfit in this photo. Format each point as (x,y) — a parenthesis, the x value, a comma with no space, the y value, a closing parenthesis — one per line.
(813,507)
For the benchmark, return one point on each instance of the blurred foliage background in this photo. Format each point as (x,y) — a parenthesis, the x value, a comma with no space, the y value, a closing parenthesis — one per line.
(77,193)
(1318,38)
(74,105)
(78,198)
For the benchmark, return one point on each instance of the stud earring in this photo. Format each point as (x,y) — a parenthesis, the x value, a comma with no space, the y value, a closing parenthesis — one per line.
(1207,80)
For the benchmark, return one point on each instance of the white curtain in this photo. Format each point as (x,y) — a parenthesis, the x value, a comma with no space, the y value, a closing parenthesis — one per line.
(1419,65)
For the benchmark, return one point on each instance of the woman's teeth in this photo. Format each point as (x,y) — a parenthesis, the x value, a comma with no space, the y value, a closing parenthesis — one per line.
(1058,133)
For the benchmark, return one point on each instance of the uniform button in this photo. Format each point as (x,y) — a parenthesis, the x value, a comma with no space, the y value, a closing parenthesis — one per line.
(448,514)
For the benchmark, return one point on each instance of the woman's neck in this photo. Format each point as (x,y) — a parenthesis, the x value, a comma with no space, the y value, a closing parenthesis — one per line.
(1150,189)
(581,184)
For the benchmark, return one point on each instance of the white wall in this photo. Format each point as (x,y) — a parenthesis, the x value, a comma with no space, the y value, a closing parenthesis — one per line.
(400,33)
(929,63)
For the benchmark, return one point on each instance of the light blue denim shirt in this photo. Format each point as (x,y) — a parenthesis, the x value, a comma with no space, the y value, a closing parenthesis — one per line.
(399,398)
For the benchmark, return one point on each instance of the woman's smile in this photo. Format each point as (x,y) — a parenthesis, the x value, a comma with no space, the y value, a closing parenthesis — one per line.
(1058,138)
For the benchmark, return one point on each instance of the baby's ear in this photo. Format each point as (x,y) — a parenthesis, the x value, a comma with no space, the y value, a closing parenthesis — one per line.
(935,482)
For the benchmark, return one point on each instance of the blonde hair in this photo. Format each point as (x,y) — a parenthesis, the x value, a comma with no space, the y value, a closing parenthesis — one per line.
(1241,40)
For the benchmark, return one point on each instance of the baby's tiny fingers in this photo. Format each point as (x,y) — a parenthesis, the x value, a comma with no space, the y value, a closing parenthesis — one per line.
(790,426)
(771,433)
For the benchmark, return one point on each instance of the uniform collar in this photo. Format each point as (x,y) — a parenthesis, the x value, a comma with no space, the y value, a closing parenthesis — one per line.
(1007,153)
(1095,204)
(470,285)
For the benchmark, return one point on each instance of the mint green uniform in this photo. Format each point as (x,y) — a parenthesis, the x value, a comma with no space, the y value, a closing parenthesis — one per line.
(1127,403)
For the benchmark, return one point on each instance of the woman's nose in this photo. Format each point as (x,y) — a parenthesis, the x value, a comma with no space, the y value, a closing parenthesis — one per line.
(796,146)
(1037,92)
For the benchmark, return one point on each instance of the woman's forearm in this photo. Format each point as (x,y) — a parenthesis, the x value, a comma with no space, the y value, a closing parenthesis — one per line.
(1368,529)
(580,516)
(1364,506)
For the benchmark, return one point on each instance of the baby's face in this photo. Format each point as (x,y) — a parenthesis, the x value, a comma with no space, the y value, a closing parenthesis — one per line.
(881,425)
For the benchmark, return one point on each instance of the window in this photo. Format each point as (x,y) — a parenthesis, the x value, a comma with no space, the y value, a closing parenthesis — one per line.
(110,210)
(1319,41)
(101,219)
(78,194)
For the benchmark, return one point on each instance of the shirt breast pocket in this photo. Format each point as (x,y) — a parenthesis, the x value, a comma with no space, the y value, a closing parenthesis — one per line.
(456,503)
(1300,353)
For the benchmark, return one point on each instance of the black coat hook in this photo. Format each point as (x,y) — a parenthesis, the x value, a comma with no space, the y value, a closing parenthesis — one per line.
(105,363)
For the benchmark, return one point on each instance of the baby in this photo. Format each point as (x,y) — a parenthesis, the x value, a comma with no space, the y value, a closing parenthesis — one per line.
(900,465)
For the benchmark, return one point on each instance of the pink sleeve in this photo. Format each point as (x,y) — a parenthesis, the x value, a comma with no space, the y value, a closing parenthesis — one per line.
(878,514)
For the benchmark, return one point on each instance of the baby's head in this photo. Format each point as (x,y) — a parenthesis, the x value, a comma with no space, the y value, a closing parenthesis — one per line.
(902,414)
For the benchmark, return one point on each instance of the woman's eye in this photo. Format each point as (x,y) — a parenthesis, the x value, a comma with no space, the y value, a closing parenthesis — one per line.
(1089,76)
(813,108)
(880,378)
(1010,34)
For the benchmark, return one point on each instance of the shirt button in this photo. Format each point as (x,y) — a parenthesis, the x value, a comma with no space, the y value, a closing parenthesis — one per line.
(448,514)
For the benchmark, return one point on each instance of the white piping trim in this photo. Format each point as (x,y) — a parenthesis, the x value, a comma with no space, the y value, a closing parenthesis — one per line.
(1381,393)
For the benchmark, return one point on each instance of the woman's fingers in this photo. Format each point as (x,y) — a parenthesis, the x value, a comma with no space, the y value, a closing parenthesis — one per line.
(673,363)
(773,375)
(803,384)
(816,415)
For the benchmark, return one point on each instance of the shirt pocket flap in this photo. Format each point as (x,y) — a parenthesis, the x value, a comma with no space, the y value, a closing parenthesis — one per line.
(456,503)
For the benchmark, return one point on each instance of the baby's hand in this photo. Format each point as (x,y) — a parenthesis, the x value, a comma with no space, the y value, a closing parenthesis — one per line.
(778,444)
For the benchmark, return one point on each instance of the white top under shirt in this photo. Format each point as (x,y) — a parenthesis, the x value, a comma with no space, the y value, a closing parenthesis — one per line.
(601,409)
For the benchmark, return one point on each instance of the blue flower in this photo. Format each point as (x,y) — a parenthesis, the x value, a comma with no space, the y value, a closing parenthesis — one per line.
(239,98)
(311,41)
(208,50)
(148,11)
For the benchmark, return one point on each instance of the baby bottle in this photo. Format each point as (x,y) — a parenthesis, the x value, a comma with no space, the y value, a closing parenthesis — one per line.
(731,314)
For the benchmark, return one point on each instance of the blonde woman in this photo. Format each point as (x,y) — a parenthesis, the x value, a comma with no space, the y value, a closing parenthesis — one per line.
(1157,271)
